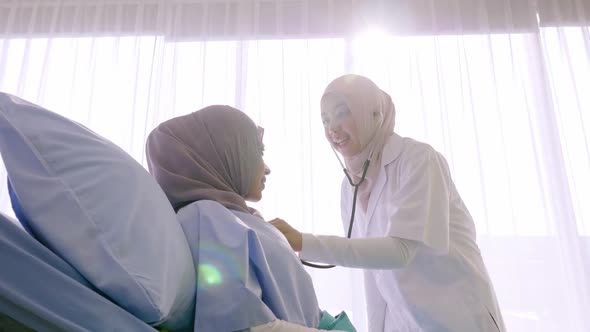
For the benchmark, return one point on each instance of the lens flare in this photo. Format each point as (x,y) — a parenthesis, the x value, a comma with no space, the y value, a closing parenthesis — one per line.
(209,275)
(217,264)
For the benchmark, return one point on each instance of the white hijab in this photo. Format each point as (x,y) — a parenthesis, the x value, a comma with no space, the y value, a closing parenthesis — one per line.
(374,116)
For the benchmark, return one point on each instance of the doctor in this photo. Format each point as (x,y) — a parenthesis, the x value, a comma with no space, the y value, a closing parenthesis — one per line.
(412,233)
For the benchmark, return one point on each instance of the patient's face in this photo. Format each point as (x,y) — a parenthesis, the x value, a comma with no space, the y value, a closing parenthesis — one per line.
(255,193)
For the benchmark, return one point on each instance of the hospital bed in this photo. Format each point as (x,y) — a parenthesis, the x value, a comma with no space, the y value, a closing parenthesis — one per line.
(40,291)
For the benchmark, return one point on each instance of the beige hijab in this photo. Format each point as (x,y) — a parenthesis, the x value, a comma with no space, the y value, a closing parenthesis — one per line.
(211,154)
(374,115)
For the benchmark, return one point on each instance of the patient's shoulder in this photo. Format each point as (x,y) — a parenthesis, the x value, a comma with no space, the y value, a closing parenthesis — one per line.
(207,211)
(211,207)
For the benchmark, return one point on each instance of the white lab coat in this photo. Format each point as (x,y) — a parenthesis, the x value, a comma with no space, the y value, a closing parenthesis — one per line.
(446,286)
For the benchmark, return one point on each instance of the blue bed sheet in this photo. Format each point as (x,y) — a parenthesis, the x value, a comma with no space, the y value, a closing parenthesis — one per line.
(42,291)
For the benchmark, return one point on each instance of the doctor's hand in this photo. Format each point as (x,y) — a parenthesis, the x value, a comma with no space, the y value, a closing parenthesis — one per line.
(293,236)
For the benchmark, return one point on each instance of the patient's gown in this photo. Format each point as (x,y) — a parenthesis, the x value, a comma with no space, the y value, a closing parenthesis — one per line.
(247,273)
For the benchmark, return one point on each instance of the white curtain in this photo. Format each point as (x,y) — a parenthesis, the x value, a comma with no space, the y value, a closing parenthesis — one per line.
(500,87)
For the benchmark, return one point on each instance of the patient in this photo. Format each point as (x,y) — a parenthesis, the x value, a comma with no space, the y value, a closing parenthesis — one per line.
(209,163)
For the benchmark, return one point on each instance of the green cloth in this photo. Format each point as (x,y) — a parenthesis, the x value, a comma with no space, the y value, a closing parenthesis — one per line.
(340,322)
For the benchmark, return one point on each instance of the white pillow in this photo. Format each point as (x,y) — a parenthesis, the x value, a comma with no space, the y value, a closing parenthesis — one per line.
(100,210)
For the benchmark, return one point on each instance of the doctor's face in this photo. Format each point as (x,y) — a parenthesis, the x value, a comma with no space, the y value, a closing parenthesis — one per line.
(339,126)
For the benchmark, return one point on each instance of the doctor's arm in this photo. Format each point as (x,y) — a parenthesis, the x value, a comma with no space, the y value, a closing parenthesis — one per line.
(366,253)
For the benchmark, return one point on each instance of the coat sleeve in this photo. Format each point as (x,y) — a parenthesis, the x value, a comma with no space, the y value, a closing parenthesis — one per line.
(367,253)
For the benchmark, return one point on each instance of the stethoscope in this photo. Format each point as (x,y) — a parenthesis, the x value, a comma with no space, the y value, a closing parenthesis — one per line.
(354,198)
(353,212)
